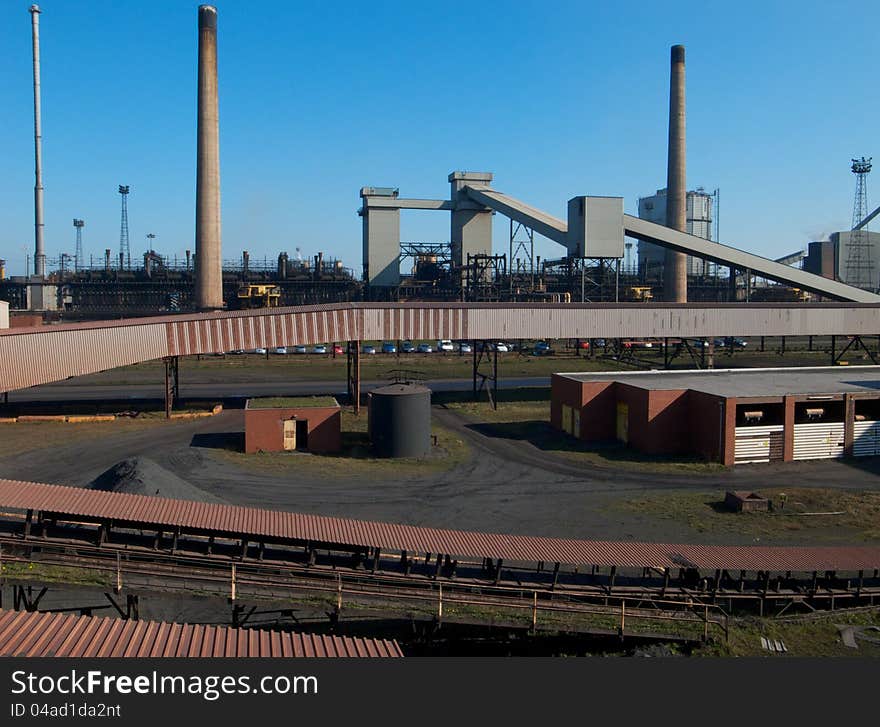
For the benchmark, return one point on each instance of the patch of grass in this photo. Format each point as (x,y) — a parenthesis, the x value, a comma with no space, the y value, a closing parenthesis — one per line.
(39,572)
(355,461)
(813,636)
(530,421)
(32,436)
(704,512)
(278,402)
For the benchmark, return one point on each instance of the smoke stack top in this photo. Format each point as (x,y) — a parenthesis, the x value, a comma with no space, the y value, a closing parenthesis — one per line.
(207,17)
(678,54)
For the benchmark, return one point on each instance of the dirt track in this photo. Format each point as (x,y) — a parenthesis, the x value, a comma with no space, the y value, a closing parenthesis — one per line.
(506,485)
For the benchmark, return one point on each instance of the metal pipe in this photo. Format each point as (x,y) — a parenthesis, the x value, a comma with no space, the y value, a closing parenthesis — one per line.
(39,249)
(208,262)
(675,265)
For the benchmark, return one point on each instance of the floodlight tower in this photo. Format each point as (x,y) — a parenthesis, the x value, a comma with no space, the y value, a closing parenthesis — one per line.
(78,255)
(859,264)
(124,248)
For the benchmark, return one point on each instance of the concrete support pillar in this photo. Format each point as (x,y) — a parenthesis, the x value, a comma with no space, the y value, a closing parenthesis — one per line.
(381,238)
(788,429)
(471,232)
(728,454)
(209,270)
(849,419)
(675,265)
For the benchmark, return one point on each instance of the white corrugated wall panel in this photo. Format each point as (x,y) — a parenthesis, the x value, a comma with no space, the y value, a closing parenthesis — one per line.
(752,444)
(866,439)
(823,440)
(38,358)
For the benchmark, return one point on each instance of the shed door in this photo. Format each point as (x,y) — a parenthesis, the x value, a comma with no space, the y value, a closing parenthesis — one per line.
(866,441)
(576,423)
(623,422)
(289,435)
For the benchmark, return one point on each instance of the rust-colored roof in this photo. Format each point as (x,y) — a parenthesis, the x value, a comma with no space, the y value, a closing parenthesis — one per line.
(274,524)
(55,634)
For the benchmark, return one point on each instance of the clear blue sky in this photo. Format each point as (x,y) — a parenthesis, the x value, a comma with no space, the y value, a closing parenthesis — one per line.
(319,99)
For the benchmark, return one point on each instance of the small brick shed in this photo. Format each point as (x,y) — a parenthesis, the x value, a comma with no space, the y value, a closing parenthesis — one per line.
(292,424)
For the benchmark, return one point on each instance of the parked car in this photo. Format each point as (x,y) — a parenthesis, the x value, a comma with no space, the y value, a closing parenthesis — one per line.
(407,347)
(237,351)
(719,343)
(261,351)
(280,350)
(542,346)
(300,349)
(599,342)
(502,347)
(337,349)
(740,342)
(368,349)
(583,345)
(425,348)
(445,345)
(389,347)
(464,347)
(320,348)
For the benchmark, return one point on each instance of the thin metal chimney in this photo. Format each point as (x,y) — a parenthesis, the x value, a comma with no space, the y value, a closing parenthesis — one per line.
(675,265)
(208,257)
(39,249)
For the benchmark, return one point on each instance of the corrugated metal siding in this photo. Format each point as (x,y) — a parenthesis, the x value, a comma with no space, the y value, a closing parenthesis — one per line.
(752,444)
(63,635)
(54,353)
(50,355)
(823,440)
(866,439)
(256,523)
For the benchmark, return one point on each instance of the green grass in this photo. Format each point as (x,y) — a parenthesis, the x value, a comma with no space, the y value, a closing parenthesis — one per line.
(704,512)
(54,574)
(811,636)
(529,420)
(31,436)
(278,402)
(355,461)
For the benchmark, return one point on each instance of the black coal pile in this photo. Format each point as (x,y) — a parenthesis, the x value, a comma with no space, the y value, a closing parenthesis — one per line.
(142,476)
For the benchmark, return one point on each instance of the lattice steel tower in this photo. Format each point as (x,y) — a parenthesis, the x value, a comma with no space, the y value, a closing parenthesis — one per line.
(78,255)
(859,264)
(124,248)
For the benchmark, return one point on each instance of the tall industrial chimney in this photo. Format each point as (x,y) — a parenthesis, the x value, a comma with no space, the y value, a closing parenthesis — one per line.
(208,258)
(675,265)
(39,249)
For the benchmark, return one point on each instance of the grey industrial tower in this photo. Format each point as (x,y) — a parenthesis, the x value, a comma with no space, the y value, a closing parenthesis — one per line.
(859,263)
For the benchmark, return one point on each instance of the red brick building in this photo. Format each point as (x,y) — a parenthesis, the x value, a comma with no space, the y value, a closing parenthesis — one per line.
(292,423)
(730,416)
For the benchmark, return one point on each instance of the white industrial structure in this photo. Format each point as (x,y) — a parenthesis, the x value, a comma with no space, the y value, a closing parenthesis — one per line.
(699,223)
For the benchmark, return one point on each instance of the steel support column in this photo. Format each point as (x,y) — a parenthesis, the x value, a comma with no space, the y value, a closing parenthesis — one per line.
(172,384)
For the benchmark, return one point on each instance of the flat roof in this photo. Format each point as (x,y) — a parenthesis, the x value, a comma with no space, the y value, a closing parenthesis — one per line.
(745,383)
(291,402)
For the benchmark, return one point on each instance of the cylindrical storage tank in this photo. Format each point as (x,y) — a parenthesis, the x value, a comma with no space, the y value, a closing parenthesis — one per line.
(400,420)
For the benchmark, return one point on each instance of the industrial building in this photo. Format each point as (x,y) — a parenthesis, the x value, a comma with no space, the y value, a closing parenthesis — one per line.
(829,258)
(699,222)
(292,424)
(729,416)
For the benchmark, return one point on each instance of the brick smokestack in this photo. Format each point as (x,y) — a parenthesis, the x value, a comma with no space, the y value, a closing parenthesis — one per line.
(675,266)
(208,263)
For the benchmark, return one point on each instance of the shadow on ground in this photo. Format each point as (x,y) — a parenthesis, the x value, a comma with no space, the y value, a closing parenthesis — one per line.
(543,436)
(230,441)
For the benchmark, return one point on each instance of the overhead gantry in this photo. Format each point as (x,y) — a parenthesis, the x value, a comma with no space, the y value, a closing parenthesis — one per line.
(595,228)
